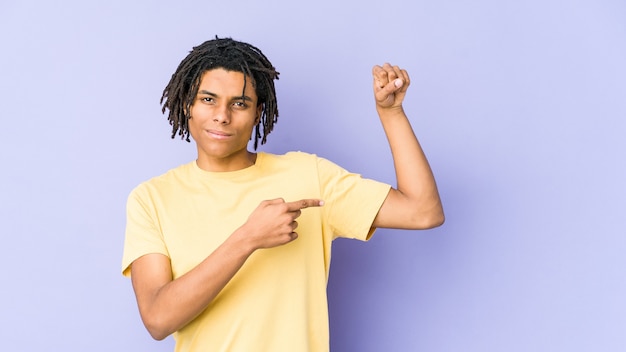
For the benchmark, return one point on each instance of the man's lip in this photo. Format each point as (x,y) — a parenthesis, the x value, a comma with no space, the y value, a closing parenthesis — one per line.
(218,134)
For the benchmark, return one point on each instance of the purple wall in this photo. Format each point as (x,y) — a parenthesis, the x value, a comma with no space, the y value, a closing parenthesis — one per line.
(521,108)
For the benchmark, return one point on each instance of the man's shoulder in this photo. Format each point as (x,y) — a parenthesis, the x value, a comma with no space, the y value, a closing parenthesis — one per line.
(288,156)
(292,160)
(299,158)
(166,179)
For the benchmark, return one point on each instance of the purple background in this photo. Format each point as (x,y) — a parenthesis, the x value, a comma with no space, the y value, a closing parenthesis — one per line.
(520,107)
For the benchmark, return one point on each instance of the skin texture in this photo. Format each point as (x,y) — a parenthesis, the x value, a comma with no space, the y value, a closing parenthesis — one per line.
(415,204)
(221,124)
(222,121)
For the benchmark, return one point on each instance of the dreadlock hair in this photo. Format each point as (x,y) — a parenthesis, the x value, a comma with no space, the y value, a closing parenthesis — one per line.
(231,55)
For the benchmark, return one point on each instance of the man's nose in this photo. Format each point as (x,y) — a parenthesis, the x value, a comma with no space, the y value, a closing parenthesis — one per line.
(222,115)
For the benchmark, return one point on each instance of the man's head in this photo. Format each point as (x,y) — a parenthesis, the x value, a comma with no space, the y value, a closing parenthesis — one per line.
(231,55)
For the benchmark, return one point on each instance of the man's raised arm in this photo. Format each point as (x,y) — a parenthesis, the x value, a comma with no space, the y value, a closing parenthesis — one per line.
(415,203)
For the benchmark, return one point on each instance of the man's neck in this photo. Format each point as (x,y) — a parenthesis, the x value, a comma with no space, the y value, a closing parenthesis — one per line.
(227,164)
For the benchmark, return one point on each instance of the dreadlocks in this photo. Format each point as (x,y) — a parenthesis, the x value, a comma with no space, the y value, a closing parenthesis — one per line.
(231,55)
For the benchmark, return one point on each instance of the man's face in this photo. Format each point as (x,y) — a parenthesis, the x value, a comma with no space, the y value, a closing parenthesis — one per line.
(221,120)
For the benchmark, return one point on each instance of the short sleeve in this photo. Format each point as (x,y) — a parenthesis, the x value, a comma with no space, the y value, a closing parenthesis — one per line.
(351,202)
(143,235)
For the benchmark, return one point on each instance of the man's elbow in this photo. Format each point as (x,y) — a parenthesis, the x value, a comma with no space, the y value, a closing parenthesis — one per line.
(158,335)
(436,220)
(428,220)
(157,328)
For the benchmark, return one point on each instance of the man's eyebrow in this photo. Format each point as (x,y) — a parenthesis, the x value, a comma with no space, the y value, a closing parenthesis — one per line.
(241,97)
(206,92)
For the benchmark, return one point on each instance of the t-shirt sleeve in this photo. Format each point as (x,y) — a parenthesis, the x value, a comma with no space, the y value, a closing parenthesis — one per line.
(143,235)
(351,201)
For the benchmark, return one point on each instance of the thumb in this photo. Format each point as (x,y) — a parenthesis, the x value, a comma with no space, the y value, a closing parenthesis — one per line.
(396,84)
(387,92)
(392,87)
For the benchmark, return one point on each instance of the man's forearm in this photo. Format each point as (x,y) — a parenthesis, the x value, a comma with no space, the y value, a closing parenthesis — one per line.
(176,303)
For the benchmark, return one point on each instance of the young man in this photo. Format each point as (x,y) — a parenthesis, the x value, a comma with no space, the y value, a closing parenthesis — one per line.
(231,252)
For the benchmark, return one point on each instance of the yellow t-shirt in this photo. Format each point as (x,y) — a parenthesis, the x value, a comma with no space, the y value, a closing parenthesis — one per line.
(277,300)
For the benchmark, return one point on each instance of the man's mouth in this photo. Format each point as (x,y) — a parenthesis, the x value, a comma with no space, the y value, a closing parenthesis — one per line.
(218,134)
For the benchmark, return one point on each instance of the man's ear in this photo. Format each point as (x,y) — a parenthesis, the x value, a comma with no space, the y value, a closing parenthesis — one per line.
(186,110)
(259,110)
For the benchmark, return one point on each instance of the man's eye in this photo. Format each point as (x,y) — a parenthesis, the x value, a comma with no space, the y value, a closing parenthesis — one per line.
(207,99)
(240,104)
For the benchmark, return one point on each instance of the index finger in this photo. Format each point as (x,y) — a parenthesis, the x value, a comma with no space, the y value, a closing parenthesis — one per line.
(304,203)
(380,77)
